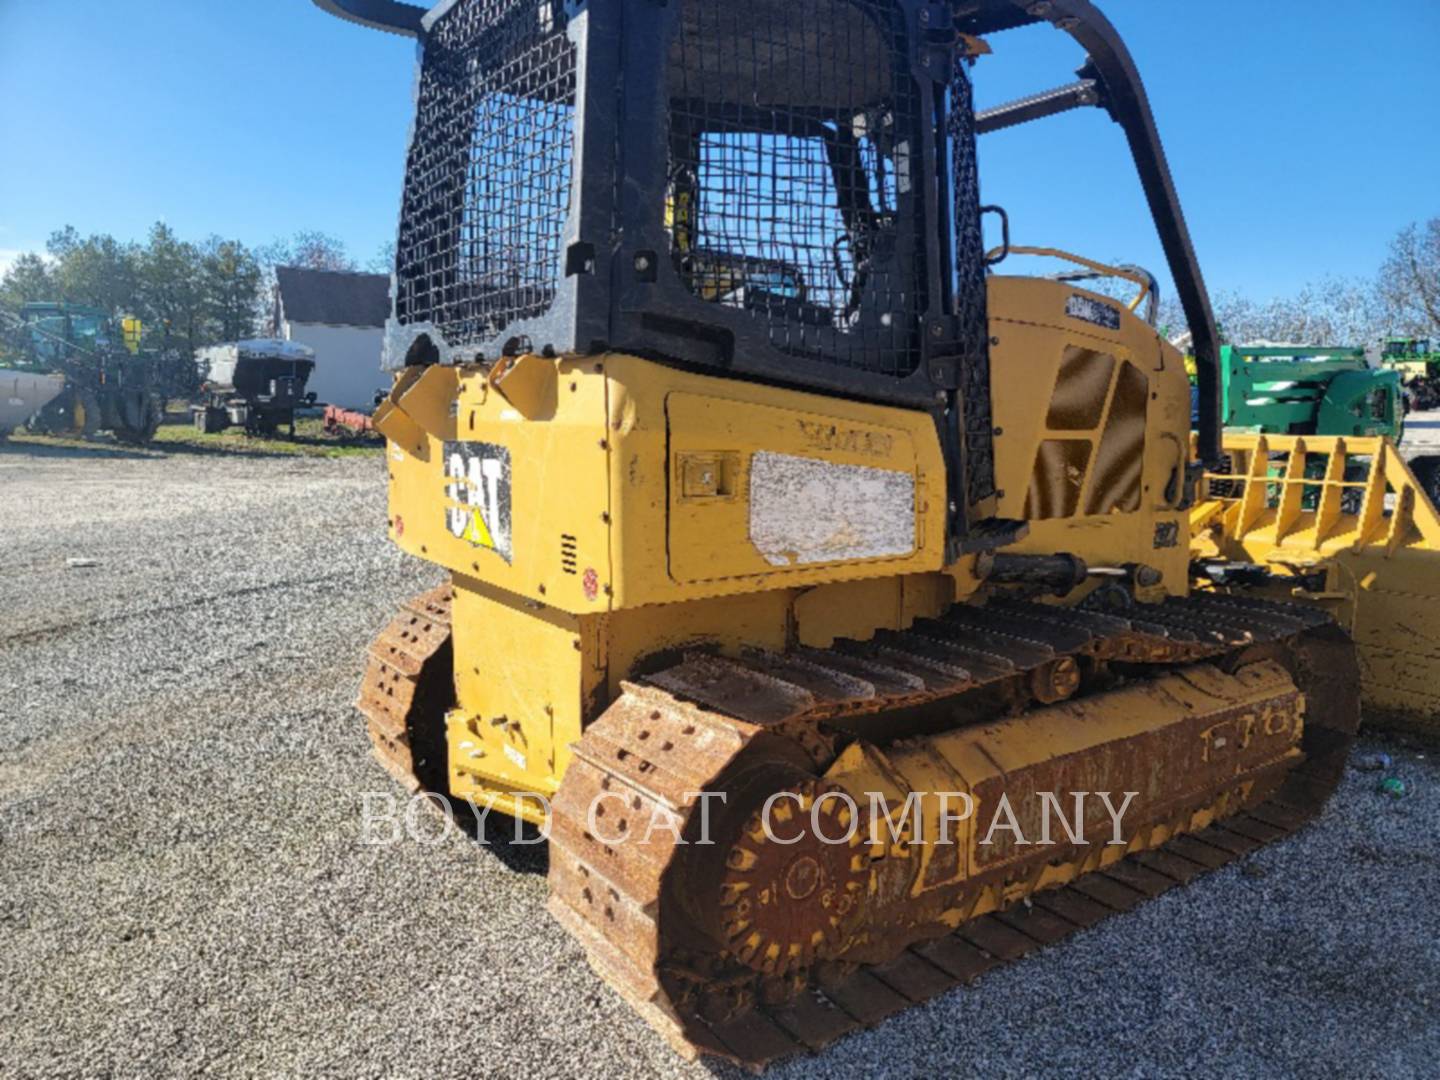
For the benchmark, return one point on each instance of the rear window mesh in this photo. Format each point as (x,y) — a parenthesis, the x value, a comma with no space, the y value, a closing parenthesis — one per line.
(792,126)
(489,177)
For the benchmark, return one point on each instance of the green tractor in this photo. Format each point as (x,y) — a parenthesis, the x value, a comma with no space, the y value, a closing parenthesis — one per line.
(1418,365)
(110,382)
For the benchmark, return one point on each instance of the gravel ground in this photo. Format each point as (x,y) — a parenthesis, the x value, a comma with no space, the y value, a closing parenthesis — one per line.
(1422,434)
(184,885)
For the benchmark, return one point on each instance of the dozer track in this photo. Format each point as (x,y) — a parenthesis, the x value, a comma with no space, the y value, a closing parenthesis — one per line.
(703,949)
(661,926)
(407,688)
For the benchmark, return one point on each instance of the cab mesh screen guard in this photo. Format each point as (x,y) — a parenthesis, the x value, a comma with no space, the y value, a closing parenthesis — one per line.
(756,183)
(778,189)
(487,187)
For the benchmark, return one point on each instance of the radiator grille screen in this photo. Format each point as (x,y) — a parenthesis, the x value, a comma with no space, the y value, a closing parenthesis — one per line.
(792,136)
(488,181)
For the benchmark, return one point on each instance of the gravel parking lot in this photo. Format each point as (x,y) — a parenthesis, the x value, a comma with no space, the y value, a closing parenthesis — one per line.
(184,885)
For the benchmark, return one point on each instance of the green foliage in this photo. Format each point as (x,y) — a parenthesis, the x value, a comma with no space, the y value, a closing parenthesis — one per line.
(186,295)
(177,436)
(98,271)
(29,279)
(310,441)
(229,282)
(168,272)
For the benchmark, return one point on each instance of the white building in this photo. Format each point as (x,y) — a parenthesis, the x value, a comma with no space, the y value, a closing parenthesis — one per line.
(342,317)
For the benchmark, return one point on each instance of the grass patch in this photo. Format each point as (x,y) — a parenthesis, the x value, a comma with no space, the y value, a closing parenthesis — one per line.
(177,435)
(180,436)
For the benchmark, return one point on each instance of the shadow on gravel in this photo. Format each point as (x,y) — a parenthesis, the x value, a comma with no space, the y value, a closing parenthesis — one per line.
(200,449)
(38,449)
(301,447)
(523,851)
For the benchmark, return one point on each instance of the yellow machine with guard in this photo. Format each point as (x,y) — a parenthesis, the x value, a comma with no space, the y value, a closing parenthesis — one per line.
(1342,524)
(795,553)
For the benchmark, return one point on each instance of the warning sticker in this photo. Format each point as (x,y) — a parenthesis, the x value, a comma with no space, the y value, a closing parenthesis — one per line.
(478,494)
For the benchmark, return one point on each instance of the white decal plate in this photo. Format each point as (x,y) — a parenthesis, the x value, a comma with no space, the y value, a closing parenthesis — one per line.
(803,511)
(1093,311)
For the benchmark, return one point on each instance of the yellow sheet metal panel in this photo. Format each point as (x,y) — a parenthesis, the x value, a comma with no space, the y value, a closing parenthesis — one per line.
(564,481)
(756,489)
(721,487)
(518,501)
(523,677)
(1092,412)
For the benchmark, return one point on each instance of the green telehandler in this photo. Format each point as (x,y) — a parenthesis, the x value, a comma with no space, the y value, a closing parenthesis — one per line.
(1303,390)
(1294,390)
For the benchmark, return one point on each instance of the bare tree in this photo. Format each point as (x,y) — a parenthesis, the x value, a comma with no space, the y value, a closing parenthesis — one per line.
(310,249)
(1332,311)
(1410,280)
(383,261)
(1329,312)
(316,250)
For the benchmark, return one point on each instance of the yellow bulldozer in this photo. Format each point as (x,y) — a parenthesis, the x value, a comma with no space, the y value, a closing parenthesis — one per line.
(824,593)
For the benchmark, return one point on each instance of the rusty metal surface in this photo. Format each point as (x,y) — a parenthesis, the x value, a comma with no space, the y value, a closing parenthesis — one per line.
(407,674)
(758,981)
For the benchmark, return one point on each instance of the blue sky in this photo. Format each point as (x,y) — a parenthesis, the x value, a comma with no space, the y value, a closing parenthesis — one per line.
(1301,138)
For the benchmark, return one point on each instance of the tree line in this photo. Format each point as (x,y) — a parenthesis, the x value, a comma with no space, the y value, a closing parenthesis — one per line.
(190,294)
(1402,300)
(187,294)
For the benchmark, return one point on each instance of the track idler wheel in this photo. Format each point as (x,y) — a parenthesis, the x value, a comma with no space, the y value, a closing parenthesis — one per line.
(1056,681)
